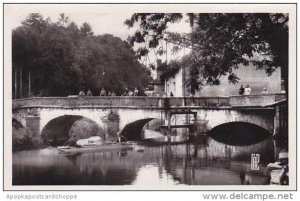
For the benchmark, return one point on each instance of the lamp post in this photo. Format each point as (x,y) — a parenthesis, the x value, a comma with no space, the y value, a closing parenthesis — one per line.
(101,74)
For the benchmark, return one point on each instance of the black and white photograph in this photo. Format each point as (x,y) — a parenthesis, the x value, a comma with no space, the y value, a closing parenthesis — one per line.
(149,96)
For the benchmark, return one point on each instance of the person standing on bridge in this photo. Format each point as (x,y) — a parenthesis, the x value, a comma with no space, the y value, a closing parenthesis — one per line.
(81,93)
(247,90)
(102,92)
(135,92)
(130,93)
(241,90)
(126,92)
(89,93)
(264,91)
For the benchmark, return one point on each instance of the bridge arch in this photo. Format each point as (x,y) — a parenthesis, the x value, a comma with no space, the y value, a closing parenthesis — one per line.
(17,124)
(133,131)
(20,116)
(239,133)
(213,118)
(130,115)
(60,129)
(97,115)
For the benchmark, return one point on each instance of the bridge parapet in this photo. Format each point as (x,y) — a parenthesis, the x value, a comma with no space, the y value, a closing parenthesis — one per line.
(255,100)
(88,101)
(121,101)
(125,101)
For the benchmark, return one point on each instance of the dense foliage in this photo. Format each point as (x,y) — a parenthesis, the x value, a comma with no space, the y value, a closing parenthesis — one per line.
(220,42)
(60,59)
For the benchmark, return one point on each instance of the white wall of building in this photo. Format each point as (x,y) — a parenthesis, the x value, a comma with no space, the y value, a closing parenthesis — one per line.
(257,79)
(174,84)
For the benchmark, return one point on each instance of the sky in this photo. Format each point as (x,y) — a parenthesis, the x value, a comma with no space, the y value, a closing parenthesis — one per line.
(101,21)
(102,18)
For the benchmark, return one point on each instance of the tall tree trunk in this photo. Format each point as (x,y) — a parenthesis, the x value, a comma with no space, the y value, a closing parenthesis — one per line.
(21,83)
(16,83)
(183,76)
(166,52)
(29,83)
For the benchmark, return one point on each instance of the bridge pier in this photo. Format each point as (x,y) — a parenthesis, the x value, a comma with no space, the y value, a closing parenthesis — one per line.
(111,126)
(280,132)
(33,125)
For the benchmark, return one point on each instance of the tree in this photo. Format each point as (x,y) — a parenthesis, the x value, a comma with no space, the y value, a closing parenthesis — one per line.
(59,59)
(86,29)
(26,50)
(220,42)
(63,19)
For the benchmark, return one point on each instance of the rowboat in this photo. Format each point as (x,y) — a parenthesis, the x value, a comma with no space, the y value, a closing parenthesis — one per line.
(96,148)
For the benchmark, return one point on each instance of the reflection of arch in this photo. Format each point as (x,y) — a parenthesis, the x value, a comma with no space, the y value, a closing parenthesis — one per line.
(57,130)
(17,124)
(239,133)
(132,131)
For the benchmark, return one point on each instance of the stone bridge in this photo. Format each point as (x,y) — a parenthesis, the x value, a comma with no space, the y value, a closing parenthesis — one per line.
(36,113)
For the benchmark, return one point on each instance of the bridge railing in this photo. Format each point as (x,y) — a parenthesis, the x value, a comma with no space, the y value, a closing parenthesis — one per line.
(125,101)
(87,101)
(255,99)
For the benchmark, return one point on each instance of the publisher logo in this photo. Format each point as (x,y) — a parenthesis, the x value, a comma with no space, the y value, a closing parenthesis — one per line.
(255,159)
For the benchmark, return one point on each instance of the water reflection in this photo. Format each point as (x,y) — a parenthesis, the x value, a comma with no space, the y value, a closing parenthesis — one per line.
(209,163)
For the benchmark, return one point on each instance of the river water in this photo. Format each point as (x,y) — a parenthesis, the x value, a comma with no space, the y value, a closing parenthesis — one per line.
(207,163)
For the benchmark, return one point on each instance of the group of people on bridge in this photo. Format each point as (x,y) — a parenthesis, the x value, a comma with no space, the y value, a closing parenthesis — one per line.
(103,92)
(135,92)
(247,90)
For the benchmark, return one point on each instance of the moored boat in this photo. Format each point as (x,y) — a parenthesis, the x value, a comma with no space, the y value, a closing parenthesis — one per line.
(96,148)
